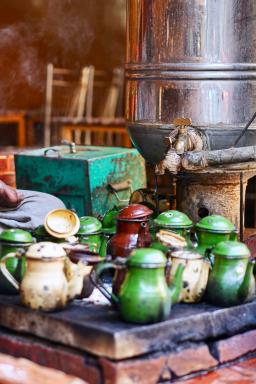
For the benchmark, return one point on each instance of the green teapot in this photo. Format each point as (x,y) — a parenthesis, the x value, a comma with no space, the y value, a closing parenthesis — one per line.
(173,221)
(231,280)
(144,296)
(90,233)
(10,241)
(109,221)
(41,234)
(211,230)
(108,228)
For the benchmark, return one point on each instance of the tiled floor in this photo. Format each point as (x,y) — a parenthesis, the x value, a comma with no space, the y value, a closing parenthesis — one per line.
(241,373)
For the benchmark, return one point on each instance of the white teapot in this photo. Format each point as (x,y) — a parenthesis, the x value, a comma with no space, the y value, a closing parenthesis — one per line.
(50,280)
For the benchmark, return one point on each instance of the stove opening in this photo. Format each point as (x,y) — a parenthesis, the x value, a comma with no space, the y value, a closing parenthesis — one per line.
(203,212)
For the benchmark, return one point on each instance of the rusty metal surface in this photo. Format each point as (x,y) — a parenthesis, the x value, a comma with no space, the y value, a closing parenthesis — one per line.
(214,191)
(81,179)
(97,328)
(190,58)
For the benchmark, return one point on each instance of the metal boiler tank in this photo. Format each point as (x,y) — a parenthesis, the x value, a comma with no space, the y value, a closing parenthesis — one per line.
(192,58)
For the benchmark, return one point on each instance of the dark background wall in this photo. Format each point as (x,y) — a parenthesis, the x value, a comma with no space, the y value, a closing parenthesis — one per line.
(68,33)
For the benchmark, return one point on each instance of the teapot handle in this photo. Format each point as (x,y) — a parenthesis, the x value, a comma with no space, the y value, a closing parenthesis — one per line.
(194,238)
(97,282)
(208,254)
(5,271)
(233,235)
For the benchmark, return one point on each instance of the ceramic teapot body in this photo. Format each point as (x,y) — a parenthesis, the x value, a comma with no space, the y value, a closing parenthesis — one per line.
(195,275)
(144,296)
(90,233)
(132,232)
(212,230)
(173,221)
(50,279)
(78,254)
(231,280)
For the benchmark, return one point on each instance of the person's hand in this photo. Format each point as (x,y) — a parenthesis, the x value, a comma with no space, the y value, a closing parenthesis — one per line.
(9,197)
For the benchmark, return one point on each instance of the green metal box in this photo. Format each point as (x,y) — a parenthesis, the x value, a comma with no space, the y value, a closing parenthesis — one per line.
(82,180)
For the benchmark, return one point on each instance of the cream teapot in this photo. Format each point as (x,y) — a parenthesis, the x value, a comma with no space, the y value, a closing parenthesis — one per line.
(195,275)
(50,280)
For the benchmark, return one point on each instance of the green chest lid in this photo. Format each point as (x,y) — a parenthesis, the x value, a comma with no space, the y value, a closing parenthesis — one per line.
(16,236)
(89,225)
(216,223)
(231,250)
(147,258)
(173,219)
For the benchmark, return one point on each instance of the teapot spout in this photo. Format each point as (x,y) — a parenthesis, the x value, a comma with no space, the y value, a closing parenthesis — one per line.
(176,287)
(247,289)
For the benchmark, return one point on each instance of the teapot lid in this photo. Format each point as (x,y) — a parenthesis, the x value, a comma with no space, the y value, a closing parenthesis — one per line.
(174,219)
(147,258)
(186,254)
(134,211)
(61,223)
(216,223)
(16,236)
(109,220)
(231,249)
(88,225)
(41,231)
(45,250)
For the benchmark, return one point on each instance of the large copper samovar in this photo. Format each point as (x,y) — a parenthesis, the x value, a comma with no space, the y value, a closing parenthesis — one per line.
(193,59)
(190,58)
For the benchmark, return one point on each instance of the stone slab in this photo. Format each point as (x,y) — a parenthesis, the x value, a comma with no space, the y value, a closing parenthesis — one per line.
(97,329)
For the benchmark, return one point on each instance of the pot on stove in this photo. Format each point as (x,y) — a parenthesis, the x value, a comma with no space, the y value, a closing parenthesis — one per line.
(132,232)
(50,280)
(231,280)
(10,241)
(144,296)
(173,221)
(211,230)
(90,234)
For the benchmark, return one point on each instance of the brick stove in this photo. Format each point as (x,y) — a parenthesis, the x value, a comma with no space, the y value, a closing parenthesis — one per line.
(183,59)
(88,340)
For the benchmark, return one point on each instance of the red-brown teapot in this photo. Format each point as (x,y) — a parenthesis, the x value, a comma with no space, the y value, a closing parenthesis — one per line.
(132,232)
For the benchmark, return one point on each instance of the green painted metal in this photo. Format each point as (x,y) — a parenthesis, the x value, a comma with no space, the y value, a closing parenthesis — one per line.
(109,221)
(215,223)
(144,296)
(173,220)
(89,225)
(16,236)
(41,234)
(15,266)
(232,249)
(207,240)
(212,230)
(231,281)
(93,241)
(81,179)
